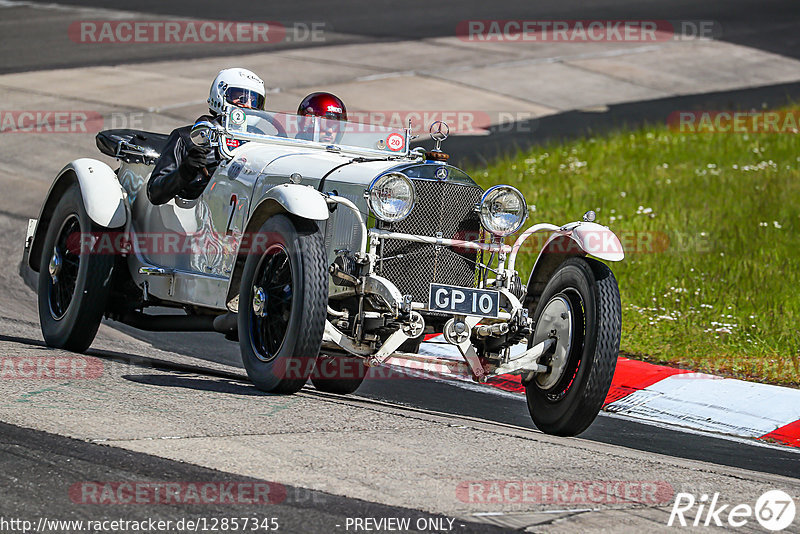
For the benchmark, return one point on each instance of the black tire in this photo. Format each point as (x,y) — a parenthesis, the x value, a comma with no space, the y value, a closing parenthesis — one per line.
(589,291)
(71,304)
(338,373)
(279,349)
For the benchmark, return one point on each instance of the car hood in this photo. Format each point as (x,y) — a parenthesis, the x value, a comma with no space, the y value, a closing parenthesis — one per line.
(312,164)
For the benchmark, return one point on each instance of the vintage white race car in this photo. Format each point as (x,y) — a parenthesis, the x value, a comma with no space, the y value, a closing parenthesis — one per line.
(330,246)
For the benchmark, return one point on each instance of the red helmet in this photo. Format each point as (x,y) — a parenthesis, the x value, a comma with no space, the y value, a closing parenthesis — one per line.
(330,110)
(323,105)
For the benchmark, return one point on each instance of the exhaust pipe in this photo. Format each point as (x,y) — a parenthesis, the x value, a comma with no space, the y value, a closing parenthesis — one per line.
(224,324)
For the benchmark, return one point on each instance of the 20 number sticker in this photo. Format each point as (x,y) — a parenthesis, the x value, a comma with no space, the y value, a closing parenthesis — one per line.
(395,142)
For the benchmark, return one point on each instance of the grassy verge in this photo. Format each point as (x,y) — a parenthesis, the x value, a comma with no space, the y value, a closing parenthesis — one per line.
(711,223)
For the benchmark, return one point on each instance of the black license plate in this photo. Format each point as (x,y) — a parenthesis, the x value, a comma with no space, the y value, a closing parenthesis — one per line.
(464,300)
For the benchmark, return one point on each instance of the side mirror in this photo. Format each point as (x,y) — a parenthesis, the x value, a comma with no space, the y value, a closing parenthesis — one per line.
(204,133)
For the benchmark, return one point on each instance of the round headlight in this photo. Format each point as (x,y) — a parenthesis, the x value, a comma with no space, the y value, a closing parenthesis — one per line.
(503,210)
(391,197)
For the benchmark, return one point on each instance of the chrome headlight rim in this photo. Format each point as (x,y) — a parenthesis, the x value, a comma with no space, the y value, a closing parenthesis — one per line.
(483,209)
(381,215)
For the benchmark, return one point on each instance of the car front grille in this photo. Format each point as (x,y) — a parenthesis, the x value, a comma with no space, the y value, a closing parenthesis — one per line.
(442,207)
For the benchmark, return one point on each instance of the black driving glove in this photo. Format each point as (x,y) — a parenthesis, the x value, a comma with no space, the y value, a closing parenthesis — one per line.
(199,157)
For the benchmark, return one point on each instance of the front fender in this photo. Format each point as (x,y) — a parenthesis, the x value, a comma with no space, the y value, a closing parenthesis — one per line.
(102,194)
(300,200)
(573,239)
(594,239)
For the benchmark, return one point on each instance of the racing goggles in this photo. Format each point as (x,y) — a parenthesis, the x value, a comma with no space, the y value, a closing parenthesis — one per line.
(244,98)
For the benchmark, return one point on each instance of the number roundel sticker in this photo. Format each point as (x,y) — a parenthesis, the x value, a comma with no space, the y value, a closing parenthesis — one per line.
(237,116)
(395,142)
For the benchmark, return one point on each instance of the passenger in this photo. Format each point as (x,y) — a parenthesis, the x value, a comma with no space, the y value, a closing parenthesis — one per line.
(327,106)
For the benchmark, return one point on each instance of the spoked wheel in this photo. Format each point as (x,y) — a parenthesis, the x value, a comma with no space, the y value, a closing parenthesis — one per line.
(580,308)
(282,305)
(74,280)
(63,267)
(338,373)
(272,302)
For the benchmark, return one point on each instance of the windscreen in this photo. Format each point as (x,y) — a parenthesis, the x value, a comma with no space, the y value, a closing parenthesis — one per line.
(268,125)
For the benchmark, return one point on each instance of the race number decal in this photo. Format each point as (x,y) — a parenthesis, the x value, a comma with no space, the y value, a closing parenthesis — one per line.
(395,142)
(237,116)
(234,201)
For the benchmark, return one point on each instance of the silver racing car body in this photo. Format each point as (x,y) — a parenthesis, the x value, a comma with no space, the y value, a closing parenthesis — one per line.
(322,246)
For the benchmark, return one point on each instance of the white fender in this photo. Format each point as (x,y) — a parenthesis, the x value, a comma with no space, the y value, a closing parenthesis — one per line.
(103,199)
(597,240)
(301,200)
(103,196)
(576,238)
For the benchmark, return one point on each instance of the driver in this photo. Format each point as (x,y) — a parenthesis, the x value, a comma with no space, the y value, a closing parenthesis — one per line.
(328,106)
(184,168)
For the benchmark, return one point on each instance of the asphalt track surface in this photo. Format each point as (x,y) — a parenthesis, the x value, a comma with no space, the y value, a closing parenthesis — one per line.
(451,398)
(30,460)
(36,466)
(765,24)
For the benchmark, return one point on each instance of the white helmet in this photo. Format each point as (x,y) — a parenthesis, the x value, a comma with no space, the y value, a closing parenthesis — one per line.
(236,87)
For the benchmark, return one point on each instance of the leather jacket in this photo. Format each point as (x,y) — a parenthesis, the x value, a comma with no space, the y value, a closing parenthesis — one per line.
(167,181)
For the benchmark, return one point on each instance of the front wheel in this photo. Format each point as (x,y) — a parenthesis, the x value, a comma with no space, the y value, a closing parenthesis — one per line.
(580,308)
(283,304)
(74,279)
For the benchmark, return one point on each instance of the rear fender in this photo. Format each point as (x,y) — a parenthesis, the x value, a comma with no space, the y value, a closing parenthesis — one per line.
(103,199)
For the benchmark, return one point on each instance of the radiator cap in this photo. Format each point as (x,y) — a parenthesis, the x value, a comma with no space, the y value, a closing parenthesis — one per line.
(436,155)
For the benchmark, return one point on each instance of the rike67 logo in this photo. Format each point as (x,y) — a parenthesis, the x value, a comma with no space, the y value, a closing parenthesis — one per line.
(774,510)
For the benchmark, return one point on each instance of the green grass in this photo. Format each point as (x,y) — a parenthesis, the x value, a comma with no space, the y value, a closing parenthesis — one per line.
(723,294)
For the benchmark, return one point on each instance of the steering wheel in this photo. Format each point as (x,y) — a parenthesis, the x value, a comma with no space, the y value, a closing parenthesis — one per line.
(278,126)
